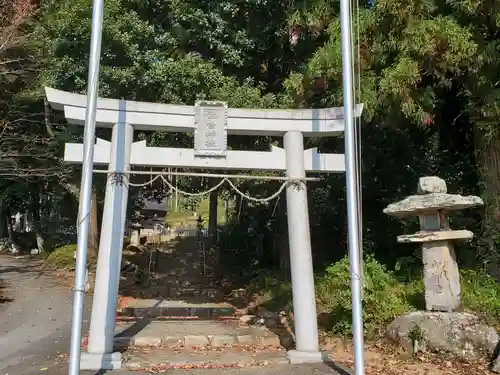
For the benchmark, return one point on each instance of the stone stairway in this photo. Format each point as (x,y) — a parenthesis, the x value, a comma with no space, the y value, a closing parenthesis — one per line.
(182,291)
(194,334)
(162,360)
(177,310)
(188,322)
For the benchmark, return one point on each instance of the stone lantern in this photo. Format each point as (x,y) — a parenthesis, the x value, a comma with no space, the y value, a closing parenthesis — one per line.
(136,226)
(431,205)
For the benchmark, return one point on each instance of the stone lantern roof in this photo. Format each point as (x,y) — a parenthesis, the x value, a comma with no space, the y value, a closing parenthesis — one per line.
(431,204)
(432,197)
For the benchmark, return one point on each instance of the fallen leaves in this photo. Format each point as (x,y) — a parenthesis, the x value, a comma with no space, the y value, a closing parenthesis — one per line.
(381,359)
(179,347)
(85,342)
(61,358)
(158,369)
(124,301)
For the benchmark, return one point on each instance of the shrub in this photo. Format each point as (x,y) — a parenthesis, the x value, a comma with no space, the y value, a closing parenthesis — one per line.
(385,297)
(481,294)
(62,257)
(272,290)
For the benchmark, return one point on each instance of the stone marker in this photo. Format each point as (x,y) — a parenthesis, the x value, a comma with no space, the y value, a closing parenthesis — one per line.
(441,275)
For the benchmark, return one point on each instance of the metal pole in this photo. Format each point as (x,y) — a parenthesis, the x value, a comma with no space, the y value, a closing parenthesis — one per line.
(359,185)
(86,186)
(352,189)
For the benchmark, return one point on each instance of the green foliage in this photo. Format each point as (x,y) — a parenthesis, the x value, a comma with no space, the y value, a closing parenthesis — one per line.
(145,58)
(191,203)
(481,294)
(62,257)
(189,208)
(273,290)
(385,297)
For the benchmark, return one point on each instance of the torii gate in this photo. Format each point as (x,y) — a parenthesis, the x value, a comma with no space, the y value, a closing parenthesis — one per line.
(211,122)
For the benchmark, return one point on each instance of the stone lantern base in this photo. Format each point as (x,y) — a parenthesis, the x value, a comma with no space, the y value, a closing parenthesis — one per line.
(441,276)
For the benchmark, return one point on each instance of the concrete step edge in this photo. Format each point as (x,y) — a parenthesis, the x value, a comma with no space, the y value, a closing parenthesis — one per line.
(216,341)
(193,363)
(208,312)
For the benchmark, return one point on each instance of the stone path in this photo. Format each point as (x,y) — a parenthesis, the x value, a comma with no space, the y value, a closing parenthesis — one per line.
(193,334)
(179,272)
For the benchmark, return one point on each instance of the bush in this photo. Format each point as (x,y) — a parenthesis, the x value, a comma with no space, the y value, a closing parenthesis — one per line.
(62,257)
(385,297)
(273,291)
(25,241)
(481,294)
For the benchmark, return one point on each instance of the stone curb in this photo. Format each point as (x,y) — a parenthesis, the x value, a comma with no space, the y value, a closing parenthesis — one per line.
(216,341)
(200,312)
(127,319)
(194,363)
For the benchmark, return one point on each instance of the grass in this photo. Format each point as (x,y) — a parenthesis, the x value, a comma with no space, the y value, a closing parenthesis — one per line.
(64,258)
(481,294)
(185,217)
(386,296)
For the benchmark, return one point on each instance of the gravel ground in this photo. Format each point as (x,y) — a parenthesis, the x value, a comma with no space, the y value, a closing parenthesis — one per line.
(35,319)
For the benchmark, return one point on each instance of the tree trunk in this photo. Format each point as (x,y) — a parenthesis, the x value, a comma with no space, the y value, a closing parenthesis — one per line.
(212,229)
(488,159)
(93,241)
(238,207)
(93,248)
(282,238)
(10,230)
(48,125)
(212,217)
(3,222)
(37,225)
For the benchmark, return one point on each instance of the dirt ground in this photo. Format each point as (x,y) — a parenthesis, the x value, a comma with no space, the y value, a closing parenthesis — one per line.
(386,359)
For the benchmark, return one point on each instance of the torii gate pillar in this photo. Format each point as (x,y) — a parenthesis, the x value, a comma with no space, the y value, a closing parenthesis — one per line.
(304,297)
(99,354)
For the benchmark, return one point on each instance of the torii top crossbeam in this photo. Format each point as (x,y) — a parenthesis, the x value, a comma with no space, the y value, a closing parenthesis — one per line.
(180,118)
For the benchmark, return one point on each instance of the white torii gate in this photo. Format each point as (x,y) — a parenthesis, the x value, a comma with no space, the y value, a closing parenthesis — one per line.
(143,156)
(211,122)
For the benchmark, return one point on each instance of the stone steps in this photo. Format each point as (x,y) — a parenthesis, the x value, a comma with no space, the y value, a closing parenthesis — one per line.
(192,334)
(164,359)
(208,293)
(153,308)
